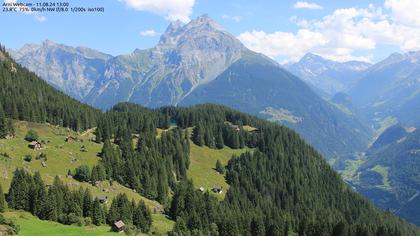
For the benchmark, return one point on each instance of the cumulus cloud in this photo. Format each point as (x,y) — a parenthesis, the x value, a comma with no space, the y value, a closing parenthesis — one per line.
(148,33)
(406,12)
(171,10)
(283,43)
(307,5)
(346,34)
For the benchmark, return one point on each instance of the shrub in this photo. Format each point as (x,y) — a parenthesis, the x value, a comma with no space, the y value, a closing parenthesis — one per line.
(27,158)
(31,135)
(42,156)
(13,228)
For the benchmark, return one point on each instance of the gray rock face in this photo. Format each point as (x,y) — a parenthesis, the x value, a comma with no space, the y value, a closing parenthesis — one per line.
(72,70)
(326,76)
(185,57)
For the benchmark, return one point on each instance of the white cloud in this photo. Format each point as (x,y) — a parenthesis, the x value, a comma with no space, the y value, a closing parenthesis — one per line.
(307,5)
(405,11)
(170,9)
(346,34)
(283,43)
(237,19)
(148,33)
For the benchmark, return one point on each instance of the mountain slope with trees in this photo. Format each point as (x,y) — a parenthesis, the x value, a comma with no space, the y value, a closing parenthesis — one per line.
(25,96)
(390,174)
(390,89)
(283,187)
(258,86)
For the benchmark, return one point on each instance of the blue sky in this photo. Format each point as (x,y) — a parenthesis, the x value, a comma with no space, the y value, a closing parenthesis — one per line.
(282,29)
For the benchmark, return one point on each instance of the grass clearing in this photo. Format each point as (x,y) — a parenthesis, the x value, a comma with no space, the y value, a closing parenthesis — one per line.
(61,155)
(202,166)
(383,171)
(349,173)
(32,226)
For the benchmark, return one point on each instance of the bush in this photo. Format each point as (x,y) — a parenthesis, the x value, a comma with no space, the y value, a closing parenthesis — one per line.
(31,135)
(27,158)
(13,228)
(71,219)
(88,221)
(82,173)
(42,156)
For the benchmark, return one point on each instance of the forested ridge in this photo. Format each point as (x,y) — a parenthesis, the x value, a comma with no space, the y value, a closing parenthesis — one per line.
(24,96)
(283,187)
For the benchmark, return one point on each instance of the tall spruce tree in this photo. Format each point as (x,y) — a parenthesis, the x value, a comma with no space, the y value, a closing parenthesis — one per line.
(3,204)
(96,213)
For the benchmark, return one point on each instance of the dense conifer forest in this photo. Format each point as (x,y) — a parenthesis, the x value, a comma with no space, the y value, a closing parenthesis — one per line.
(24,96)
(283,187)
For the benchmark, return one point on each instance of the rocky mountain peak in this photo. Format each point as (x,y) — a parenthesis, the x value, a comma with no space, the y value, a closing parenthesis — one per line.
(310,57)
(202,26)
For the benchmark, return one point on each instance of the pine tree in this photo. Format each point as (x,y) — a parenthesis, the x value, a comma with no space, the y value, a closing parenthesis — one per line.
(219,140)
(96,213)
(87,202)
(3,204)
(219,167)
(37,194)
(162,186)
(3,123)
(18,197)
(198,135)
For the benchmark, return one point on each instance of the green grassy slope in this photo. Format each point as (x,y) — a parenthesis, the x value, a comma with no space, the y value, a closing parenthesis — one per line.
(32,226)
(62,156)
(202,166)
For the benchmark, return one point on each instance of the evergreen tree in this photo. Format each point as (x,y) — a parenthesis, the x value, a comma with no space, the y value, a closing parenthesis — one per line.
(219,167)
(219,140)
(87,203)
(3,204)
(142,217)
(31,135)
(198,135)
(3,124)
(96,213)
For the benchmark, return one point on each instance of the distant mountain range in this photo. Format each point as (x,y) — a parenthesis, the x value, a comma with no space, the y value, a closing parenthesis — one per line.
(198,62)
(328,77)
(390,174)
(390,90)
(185,57)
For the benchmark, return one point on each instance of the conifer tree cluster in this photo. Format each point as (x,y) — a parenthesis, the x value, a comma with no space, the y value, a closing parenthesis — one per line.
(58,203)
(152,165)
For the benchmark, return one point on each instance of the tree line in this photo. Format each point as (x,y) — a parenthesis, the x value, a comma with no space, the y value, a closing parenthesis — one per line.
(59,203)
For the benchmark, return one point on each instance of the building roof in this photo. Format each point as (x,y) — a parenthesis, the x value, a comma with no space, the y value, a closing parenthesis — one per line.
(33,143)
(119,224)
(102,198)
